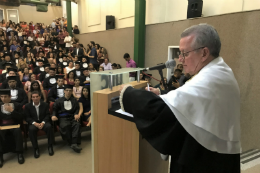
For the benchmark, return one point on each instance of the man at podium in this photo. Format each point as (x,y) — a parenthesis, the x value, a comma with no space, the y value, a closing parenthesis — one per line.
(198,124)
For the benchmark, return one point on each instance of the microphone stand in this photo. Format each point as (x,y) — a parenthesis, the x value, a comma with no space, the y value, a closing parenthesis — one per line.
(162,79)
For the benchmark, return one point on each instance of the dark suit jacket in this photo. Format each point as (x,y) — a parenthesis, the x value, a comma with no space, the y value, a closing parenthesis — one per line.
(42,76)
(82,80)
(5,83)
(31,114)
(37,70)
(80,53)
(53,94)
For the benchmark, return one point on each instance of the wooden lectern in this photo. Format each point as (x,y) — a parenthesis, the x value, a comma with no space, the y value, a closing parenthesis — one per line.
(118,146)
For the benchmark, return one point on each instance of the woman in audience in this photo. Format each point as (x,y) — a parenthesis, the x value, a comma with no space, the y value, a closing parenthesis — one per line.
(35,86)
(59,29)
(41,39)
(160,85)
(51,59)
(47,41)
(84,105)
(88,50)
(101,68)
(69,57)
(64,61)
(71,78)
(3,23)
(77,89)
(69,68)
(59,58)
(24,77)
(104,51)
(45,34)
(60,70)
(91,68)
(27,85)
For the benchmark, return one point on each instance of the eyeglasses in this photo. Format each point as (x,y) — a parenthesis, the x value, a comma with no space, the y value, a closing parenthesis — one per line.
(185,54)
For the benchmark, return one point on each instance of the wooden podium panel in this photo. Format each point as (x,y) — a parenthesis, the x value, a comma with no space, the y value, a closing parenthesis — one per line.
(118,146)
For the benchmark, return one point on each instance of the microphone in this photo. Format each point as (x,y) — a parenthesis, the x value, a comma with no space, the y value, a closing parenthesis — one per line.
(168,64)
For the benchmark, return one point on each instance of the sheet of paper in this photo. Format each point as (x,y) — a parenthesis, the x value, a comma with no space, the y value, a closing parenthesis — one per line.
(124,113)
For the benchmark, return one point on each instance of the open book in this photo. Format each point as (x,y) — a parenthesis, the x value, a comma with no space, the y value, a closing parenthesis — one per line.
(10,127)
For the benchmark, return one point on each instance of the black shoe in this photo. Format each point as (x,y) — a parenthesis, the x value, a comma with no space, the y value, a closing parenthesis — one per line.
(36,153)
(76,148)
(20,158)
(50,149)
(1,161)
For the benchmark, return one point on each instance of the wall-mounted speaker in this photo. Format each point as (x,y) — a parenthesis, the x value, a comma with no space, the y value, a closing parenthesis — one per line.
(194,8)
(110,22)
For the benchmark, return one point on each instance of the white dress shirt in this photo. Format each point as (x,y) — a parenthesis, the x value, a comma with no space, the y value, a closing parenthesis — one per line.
(38,111)
(67,38)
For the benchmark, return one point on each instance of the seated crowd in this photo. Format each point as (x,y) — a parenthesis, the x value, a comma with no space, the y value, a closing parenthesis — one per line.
(45,82)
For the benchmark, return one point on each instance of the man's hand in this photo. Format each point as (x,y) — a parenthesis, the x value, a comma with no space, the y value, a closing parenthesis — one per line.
(37,125)
(176,85)
(54,118)
(77,117)
(41,125)
(8,108)
(153,90)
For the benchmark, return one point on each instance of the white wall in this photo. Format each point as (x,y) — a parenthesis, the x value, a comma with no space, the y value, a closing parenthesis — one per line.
(74,12)
(92,13)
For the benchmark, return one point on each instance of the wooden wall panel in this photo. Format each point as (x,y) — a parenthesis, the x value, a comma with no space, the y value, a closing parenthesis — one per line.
(240,37)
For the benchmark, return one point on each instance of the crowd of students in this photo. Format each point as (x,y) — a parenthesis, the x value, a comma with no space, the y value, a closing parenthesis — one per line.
(42,66)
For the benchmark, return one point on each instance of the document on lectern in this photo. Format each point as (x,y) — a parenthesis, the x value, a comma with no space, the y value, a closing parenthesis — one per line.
(124,113)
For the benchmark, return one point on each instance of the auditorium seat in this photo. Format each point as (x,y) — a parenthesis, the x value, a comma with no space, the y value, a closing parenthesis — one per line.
(38,76)
(0,84)
(31,66)
(1,71)
(23,83)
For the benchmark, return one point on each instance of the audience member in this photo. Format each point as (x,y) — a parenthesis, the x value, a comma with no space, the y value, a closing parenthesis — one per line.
(84,105)
(107,65)
(36,86)
(85,79)
(11,114)
(50,81)
(173,82)
(78,52)
(18,95)
(66,112)
(130,64)
(93,55)
(38,118)
(27,85)
(71,78)
(77,89)
(57,91)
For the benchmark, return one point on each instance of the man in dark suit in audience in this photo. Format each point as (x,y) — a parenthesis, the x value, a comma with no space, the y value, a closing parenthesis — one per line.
(58,90)
(4,72)
(50,81)
(39,69)
(10,114)
(45,74)
(38,118)
(78,52)
(11,72)
(18,95)
(77,70)
(85,78)
(66,112)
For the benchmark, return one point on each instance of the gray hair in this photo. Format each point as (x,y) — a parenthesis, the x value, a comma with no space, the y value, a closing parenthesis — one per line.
(205,35)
